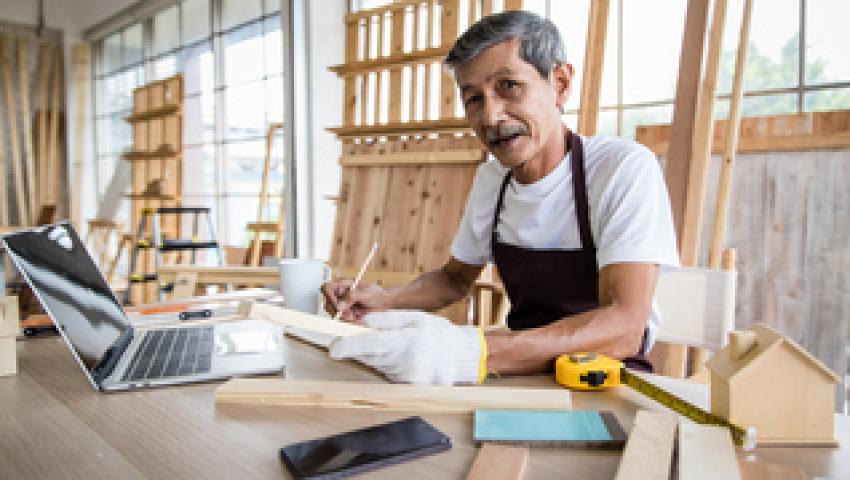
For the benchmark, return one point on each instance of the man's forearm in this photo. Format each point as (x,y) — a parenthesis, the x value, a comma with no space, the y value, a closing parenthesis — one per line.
(430,291)
(608,330)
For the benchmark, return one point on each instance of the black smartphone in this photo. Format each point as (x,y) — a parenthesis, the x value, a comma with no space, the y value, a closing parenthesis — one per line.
(363,450)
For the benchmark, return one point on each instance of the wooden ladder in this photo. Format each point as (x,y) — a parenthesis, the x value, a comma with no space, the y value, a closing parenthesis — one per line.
(260,227)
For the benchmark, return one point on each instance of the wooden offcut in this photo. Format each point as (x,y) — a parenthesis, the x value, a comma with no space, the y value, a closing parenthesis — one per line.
(386,396)
(305,321)
(499,462)
(706,452)
(649,451)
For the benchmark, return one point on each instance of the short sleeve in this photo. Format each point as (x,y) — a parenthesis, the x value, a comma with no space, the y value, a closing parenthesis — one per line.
(635,223)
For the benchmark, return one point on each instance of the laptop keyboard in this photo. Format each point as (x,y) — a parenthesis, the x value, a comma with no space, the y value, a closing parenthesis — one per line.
(173,352)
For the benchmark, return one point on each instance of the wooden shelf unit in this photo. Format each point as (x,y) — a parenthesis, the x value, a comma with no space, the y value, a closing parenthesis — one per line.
(156,166)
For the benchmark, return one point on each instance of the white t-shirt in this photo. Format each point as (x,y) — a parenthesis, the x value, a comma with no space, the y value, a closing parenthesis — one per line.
(630,217)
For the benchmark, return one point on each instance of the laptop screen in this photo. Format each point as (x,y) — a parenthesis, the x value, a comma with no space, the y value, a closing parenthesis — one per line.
(72,290)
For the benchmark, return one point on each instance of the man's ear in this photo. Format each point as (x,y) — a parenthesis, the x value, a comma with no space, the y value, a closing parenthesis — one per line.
(561,79)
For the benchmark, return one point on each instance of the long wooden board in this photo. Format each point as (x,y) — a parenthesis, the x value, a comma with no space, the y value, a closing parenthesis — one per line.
(9,88)
(305,321)
(29,170)
(386,396)
(649,450)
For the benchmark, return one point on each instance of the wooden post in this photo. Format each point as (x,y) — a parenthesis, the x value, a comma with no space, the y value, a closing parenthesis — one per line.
(350,108)
(486,7)
(513,5)
(683,130)
(732,131)
(591,83)
(82,65)
(41,162)
(52,170)
(26,114)
(8,87)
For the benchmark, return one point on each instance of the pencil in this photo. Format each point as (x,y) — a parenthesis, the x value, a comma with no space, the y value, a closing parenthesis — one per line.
(360,274)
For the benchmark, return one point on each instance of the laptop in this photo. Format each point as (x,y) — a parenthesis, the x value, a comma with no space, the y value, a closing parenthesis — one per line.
(113,354)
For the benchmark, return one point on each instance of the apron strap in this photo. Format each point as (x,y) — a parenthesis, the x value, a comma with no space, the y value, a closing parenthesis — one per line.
(580,192)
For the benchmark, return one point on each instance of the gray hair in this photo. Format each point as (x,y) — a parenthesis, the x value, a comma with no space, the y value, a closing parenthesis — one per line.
(540,42)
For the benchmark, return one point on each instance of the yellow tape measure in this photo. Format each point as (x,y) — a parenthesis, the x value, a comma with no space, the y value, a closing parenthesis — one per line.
(591,371)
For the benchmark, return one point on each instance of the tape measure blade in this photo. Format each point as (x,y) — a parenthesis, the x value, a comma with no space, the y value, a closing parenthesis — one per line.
(680,405)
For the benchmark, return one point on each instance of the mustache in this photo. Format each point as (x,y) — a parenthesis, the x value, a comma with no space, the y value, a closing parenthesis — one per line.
(501,132)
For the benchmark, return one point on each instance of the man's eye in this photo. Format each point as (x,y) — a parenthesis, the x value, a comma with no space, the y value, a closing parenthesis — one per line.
(472,100)
(510,84)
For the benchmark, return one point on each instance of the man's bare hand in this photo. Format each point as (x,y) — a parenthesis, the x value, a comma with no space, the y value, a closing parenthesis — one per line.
(354,304)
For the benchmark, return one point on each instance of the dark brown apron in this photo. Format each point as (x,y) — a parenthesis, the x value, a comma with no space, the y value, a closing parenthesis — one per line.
(547,285)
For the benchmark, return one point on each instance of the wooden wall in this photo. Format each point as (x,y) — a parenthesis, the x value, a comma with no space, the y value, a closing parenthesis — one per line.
(788,220)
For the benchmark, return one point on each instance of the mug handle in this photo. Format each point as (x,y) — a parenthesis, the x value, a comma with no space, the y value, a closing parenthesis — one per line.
(328,273)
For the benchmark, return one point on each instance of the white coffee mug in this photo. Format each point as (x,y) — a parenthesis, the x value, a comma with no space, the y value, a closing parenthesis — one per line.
(301,283)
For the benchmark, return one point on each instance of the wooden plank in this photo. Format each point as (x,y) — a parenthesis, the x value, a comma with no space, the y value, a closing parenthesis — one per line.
(721,210)
(350,82)
(43,78)
(684,128)
(486,7)
(414,158)
(82,67)
(305,321)
(343,207)
(499,462)
(26,115)
(594,56)
(649,451)
(8,356)
(446,191)
(4,203)
(184,285)
(396,97)
(390,397)
(10,318)
(53,159)
(381,277)
(429,41)
(448,34)
(22,209)
(432,54)
(706,453)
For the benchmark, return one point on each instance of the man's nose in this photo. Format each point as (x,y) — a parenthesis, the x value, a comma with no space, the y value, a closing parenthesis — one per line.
(492,111)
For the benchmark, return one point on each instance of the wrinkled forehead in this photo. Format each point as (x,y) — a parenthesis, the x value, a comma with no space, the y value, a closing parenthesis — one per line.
(499,60)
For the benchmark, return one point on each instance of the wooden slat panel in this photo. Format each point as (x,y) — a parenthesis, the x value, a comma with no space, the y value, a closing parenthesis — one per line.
(448,34)
(343,205)
(365,218)
(400,235)
(397,48)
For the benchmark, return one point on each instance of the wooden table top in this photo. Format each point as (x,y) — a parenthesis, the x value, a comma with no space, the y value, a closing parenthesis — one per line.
(54,425)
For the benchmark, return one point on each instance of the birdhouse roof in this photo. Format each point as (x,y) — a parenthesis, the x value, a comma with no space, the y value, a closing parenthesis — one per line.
(724,363)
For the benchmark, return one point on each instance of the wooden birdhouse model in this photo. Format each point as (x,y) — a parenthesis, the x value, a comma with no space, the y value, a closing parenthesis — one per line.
(764,379)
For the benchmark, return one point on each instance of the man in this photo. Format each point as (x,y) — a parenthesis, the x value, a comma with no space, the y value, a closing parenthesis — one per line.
(576,226)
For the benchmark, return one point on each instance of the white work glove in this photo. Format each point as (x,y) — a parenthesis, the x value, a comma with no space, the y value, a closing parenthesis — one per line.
(417,347)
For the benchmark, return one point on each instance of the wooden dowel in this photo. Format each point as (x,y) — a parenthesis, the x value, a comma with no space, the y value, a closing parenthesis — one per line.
(53,141)
(732,131)
(414,44)
(429,42)
(367,39)
(41,160)
(379,75)
(486,7)
(26,114)
(426,94)
(414,92)
(473,4)
(8,87)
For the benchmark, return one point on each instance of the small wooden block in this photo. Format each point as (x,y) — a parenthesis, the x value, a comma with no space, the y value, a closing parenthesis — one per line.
(8,356)
(10,319)
(387,396)
(305,321)
(184,285)
(706,453)
(499,462)
(649,450)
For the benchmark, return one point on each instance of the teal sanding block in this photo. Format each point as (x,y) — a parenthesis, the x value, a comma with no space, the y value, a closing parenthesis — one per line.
(549,428)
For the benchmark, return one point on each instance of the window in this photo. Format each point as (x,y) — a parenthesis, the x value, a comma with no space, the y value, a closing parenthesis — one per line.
(233,88)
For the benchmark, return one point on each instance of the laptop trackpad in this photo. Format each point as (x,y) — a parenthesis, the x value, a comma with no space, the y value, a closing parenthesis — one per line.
(248,341)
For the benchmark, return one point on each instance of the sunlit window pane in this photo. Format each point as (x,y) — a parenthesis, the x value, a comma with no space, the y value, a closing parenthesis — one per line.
(272,6)
(610,67)
(651,55)
(827,100)
(272,44)
(199,160)
(634,117)
(244,166)
(827,38)
(198,119)
(196,20)
(236,12)
(111,52)
(165,67)
(607,123)
(166,30)
(769,105)
(239,211)
(198,73)
(133,45)
(274,99)
(243,54)
(244,118)
(773,58)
